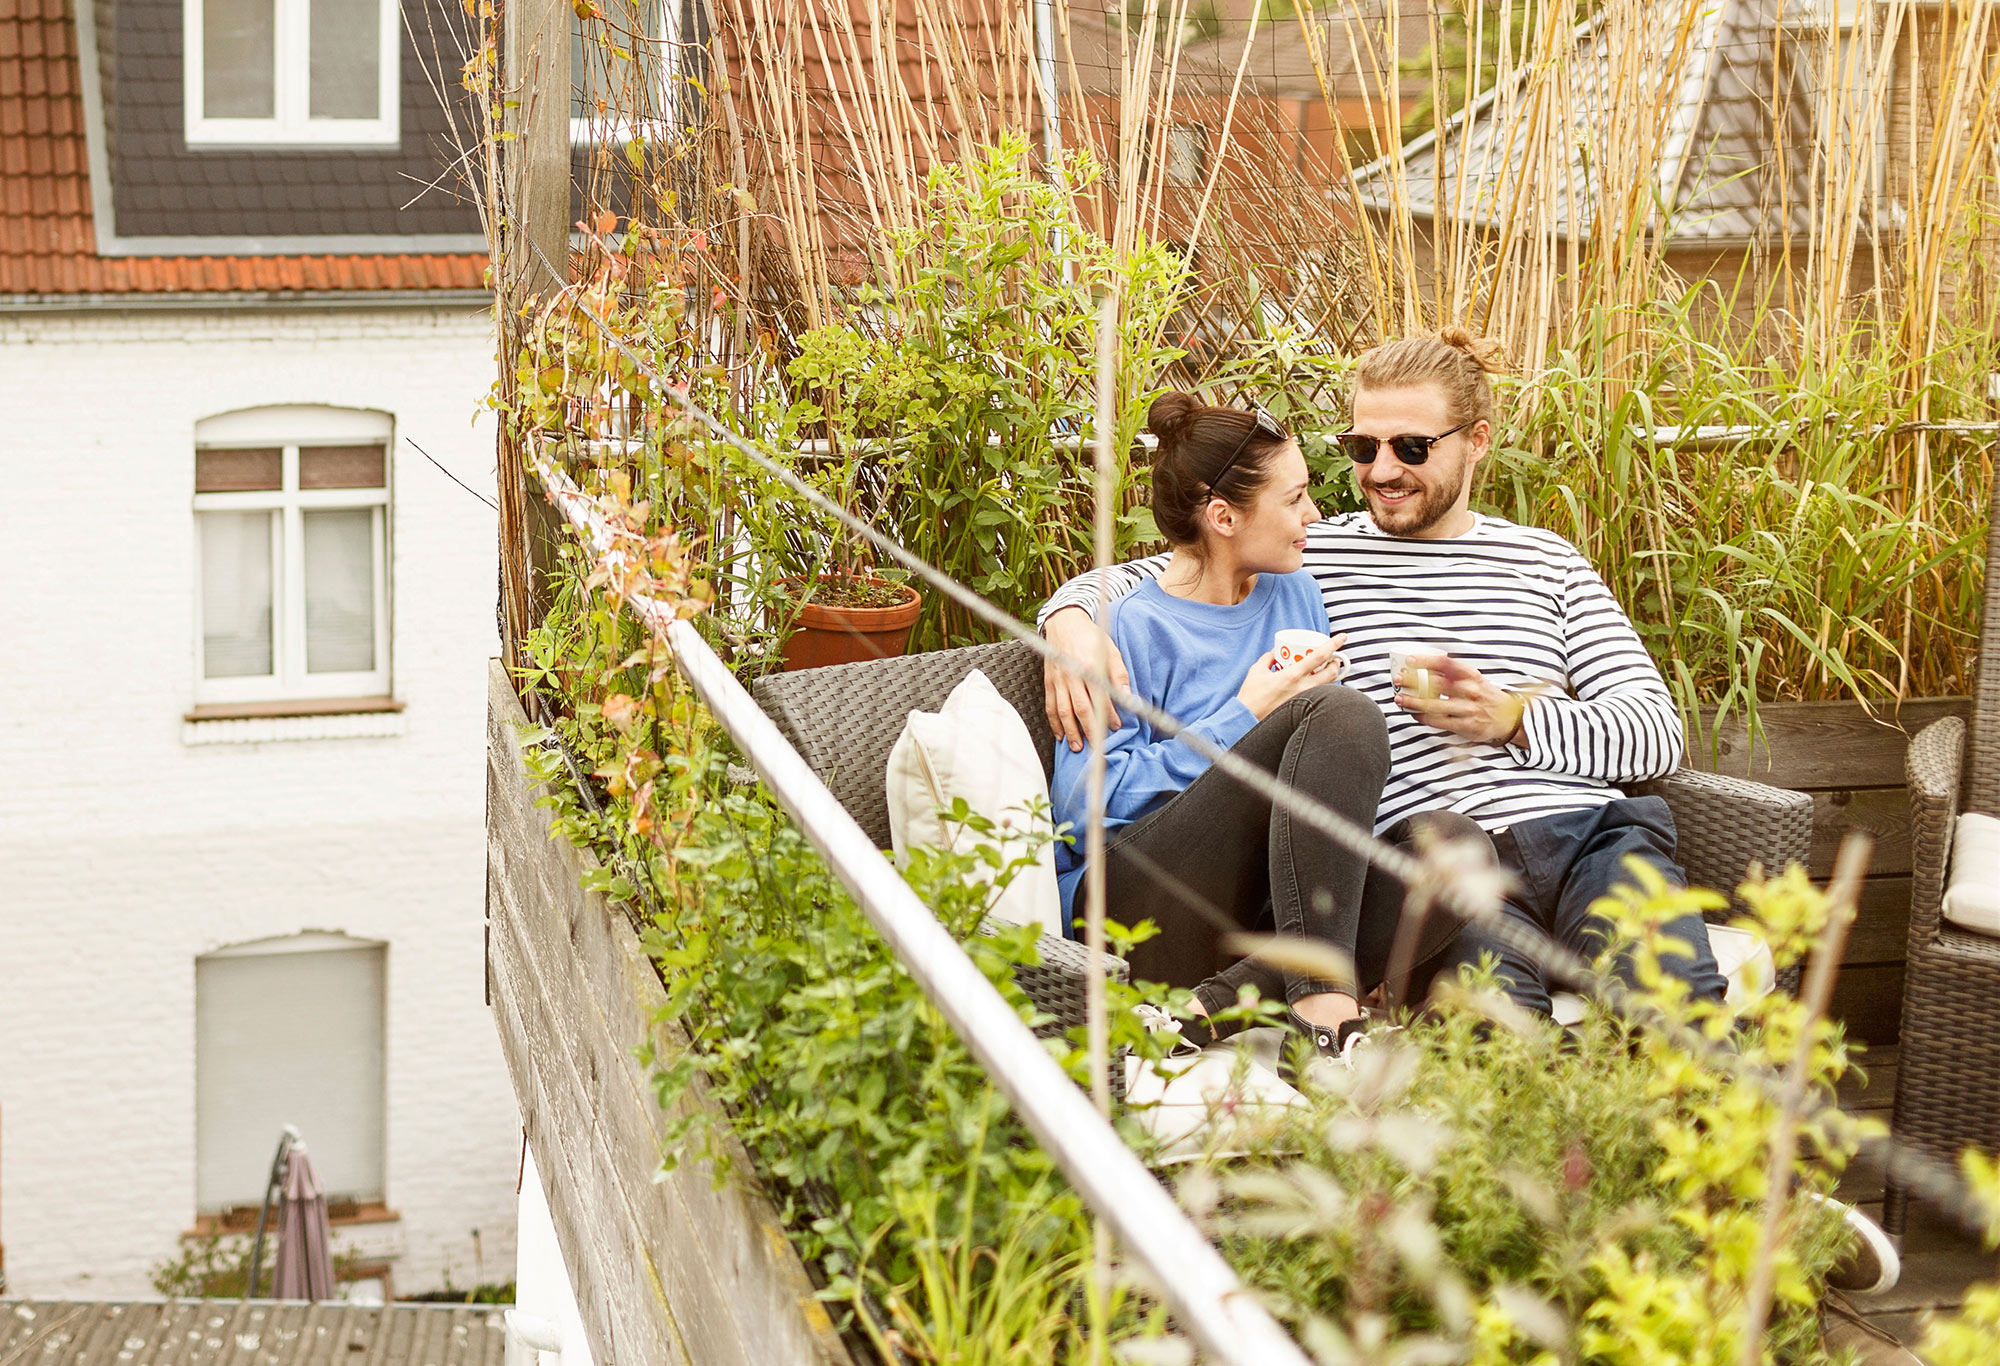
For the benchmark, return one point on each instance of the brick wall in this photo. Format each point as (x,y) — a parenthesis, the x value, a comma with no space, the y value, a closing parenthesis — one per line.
(125,852)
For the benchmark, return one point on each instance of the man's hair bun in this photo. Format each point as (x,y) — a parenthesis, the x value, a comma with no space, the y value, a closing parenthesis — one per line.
(1484,352)
(1170,414)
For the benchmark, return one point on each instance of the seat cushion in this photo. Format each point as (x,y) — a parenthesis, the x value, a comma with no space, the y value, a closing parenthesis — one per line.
(1972,896)
(1742,955)
(976,747)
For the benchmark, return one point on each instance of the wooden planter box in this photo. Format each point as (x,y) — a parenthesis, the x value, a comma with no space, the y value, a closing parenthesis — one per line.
(1853,767)
(667,1270)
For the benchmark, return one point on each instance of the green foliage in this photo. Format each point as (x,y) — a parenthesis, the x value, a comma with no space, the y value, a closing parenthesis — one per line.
(957,398)
(214,1267)
(217,1267)
(486,1292)
(1494,1188)
(894,1159)
(1966,1338)
(1792,553)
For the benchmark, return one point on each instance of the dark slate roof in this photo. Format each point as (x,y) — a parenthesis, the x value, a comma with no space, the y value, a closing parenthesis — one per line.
(161,187)
(253,1333)
(1720,161)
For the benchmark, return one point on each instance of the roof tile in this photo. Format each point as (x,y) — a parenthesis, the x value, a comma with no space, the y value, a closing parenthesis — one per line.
(47,244)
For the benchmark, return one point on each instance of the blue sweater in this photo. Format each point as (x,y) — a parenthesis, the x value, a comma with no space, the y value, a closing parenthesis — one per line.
(1188,659)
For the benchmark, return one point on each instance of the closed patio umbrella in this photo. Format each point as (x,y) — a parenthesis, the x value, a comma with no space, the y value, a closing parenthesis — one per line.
(304,1266)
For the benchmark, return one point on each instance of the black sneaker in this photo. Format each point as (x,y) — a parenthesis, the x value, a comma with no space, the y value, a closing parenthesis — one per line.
(1330,1042)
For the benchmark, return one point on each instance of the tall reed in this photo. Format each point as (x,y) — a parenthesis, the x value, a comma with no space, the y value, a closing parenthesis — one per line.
(1854,302)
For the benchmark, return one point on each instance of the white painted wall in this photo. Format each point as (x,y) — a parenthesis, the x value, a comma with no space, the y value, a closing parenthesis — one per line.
(125,852)
(544,1298)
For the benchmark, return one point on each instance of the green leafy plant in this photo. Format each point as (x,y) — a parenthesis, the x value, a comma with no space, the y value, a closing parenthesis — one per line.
(217,1267)
(1966,1338)
(1494,1188)
(958,393)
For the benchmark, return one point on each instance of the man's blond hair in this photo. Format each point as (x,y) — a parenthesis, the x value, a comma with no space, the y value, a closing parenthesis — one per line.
(1454,360)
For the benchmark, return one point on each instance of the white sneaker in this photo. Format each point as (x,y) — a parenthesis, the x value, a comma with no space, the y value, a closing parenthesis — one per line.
(1159,1022)
(1871,1266)
(1374,1036)
(1218,1101)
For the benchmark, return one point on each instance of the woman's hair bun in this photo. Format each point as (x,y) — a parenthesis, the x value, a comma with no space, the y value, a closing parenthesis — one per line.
(1170,414)
(1484,352)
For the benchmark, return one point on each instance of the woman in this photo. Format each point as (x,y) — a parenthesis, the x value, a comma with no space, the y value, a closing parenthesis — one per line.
(1193,850)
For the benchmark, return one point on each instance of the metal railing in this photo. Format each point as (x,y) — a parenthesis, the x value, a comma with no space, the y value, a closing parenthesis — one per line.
(1205,1295)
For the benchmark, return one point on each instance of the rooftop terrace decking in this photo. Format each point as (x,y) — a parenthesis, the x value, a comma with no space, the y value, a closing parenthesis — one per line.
(1939,1261)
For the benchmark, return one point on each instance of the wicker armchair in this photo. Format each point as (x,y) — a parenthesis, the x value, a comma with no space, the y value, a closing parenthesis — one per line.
(845,719)
(1948,1075)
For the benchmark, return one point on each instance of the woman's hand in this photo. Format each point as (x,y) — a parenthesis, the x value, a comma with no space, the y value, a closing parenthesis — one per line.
(1473,705)
(1266,689)
(1066,697)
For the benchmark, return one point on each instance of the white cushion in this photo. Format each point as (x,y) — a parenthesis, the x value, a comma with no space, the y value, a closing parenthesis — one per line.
(1743,956)
(977,747)
(1972,897)
(1745,959)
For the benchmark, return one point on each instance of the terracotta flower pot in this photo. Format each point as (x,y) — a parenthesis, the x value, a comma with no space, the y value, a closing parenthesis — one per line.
(826,634)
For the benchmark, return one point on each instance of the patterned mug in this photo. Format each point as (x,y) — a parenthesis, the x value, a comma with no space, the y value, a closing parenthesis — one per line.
(1294,645)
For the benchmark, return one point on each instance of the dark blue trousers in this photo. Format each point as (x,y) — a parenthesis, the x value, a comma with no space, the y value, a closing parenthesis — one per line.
(1563,863)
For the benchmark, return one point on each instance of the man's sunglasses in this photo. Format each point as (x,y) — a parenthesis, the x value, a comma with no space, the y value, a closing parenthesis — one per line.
(1410,448)
(1263,423)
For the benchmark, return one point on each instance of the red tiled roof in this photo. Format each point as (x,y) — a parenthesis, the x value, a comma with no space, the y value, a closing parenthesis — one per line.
(47,245)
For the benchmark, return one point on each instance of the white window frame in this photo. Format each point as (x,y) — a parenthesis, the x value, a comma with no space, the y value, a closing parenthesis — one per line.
(617,131)
(289,429)
(292,123)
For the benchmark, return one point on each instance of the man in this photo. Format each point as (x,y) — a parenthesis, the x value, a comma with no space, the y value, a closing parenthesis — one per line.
(1544,699)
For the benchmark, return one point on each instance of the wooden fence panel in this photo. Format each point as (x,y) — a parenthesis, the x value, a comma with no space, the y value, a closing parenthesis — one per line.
(667,1268)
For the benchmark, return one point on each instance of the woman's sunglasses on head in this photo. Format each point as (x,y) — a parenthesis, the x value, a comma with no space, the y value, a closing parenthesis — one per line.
(1410,448)
(1262,424)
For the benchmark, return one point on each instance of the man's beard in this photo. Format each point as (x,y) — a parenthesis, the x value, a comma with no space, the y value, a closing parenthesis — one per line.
(1432,505)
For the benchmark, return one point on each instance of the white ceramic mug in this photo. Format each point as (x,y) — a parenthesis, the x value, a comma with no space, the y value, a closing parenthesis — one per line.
(1417,682)
(1294,645)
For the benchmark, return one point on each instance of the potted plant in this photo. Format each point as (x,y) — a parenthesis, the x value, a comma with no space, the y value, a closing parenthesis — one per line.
(843,427)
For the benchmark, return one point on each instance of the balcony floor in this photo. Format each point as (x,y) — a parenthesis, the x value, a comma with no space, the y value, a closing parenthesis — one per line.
(1939,1260)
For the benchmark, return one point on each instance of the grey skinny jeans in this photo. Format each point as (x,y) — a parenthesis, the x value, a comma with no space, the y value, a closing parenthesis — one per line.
(1217,858)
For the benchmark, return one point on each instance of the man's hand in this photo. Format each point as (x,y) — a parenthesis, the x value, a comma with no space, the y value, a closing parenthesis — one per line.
(1066,697)
(1471,705)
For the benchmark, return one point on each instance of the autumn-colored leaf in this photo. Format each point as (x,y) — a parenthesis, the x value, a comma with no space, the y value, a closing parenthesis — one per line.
(621,710)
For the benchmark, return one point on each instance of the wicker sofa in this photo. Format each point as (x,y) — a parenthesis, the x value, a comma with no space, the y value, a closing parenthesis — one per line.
(1948,1072)
(844,720)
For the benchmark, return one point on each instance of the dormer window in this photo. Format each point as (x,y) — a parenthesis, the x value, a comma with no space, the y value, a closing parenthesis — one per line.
(314,73)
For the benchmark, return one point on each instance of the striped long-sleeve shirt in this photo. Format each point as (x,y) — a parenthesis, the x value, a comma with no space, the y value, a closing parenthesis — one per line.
(1524,608)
